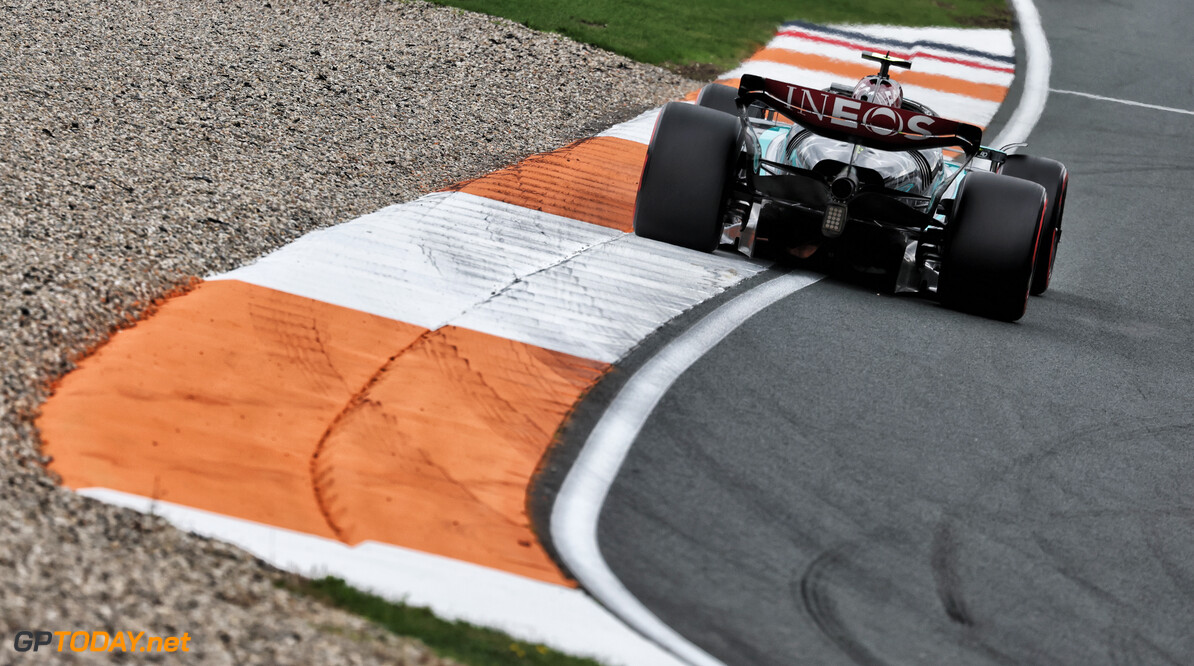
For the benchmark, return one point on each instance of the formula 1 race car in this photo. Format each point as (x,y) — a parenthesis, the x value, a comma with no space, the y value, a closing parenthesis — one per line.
(860,180)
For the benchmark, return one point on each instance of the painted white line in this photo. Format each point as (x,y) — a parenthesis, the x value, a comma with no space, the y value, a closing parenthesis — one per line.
(1123,101)
(1036,76)
(529,610)
(578,505)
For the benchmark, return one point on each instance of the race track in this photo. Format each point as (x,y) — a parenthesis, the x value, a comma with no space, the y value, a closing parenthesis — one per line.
(868,479)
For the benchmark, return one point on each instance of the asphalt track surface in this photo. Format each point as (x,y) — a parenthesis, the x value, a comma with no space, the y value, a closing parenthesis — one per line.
(854,478)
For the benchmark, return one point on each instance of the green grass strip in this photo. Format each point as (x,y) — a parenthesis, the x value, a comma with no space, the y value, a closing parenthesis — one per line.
(464,642)
(685,35)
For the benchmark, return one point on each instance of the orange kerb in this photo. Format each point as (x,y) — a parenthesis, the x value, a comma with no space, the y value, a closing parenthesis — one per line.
(437,454)
(217,401)
(692,96)
(279,409)
(594,180)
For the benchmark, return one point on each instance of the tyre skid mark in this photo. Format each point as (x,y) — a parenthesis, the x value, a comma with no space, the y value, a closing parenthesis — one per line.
(945,573)
(813,590)
(321,473)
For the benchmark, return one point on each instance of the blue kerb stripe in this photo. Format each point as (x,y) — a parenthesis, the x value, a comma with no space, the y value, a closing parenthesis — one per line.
(904,45)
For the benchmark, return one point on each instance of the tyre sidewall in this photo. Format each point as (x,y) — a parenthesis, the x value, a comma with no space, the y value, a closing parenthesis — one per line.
(719,98)
(990,245)
(689,163)
(1053,176)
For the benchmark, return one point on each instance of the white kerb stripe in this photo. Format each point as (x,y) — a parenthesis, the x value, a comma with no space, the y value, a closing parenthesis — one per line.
(850,56)
(578,506)
(423,262)
(637,129)
(493,267)
(602,302)
(997,41)
(529,610)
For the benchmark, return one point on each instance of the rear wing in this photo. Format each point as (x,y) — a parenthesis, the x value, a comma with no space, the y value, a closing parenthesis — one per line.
(847,119)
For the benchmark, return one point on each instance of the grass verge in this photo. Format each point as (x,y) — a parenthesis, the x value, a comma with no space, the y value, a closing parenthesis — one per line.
(464,642)
(696,35)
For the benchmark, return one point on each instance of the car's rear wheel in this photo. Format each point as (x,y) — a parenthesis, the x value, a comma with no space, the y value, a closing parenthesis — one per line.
(990,245)
(1051,175)
(719,97)
(725,99)
(683,188)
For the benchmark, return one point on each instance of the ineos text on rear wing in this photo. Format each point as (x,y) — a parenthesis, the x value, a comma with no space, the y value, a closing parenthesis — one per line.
(847,119)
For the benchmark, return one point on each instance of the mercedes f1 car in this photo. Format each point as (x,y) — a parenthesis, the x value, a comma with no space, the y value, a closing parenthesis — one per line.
(855,177)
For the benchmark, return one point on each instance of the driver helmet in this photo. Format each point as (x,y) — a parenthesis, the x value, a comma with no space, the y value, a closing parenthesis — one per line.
(879,90)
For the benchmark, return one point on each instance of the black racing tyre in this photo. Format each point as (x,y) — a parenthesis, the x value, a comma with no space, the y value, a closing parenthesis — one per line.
(990,245)
(1053,176)
(682,192)
(725,98)
(720,97)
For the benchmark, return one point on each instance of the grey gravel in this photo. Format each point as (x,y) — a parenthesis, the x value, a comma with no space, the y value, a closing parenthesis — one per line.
(143,144)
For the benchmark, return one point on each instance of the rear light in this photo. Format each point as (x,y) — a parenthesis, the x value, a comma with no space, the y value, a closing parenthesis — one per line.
(834,221)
